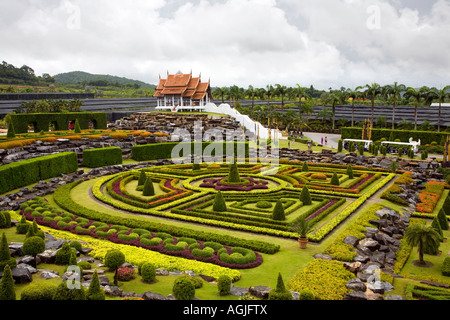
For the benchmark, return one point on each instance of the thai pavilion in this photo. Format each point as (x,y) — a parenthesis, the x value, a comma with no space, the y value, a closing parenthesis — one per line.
(182,92)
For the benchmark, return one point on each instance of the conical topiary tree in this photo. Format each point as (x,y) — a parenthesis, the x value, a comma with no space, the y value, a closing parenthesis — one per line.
(443,219)
(11,132)
(219,203)
(335,179)
(7,291)
(95,292)
(305,167)
(446,205)
(280,292)
(233,176)
(350,171)
(5,255)
(305,196)
(437,225)
(149,190)
(142,178)
(77,128)
(278,211)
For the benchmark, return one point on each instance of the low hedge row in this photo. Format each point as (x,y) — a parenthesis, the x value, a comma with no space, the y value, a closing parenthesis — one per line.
(62,198)
(95,158)
(26,172)
(426,137)
(157,151)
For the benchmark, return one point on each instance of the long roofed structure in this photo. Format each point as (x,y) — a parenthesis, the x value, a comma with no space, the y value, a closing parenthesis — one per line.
(182,92)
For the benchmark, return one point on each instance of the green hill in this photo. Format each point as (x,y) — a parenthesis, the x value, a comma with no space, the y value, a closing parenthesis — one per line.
(76,77)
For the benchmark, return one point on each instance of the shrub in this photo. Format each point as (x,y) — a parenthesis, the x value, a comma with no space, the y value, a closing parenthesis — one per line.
(278,212)
(114,258)
(11,132)
(350,171)
(95,292)
(39,291)
(219,203)
(340,145)
(94,158)
(446,267)
(442,219)
(263,204)
(62,256)
(74,291)
(183,289)
(305,196)
(33,246)
(22,226)
(446,205)
(334,180)
(77,128)
(149,190)
(233,175)
(84,265)
(148,272)
(142,178)
(280,292)
(76,245)
(7,291)
(306,295)
(361,149)
(126,274)
(305,167)
(224,285)
(5,255)
(5,219)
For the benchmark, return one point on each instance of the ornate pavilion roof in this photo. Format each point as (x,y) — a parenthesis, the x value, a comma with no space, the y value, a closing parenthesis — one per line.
(183,84)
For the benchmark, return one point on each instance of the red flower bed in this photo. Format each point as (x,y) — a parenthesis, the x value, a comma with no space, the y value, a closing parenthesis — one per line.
(430,196)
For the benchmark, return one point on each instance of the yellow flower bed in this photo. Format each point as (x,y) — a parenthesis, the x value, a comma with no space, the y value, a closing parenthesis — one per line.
(326,279)
(136,255)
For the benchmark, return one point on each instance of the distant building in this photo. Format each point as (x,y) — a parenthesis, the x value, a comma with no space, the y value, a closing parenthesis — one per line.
(182,92)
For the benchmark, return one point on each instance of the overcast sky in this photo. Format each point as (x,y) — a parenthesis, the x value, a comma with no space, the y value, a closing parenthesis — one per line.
(325,43)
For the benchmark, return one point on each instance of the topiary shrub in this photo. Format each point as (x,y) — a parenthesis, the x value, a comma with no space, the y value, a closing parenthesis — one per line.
(7,291)
(340,146)
(334,180)
(149,190)
(39,291)
(306,294)
(142,178)
(443,219)
(350,171)
(5,255)
(233,176)
(183,289)
(33,246)
(148,272)
(62,256)
(76,245)
(219,203)
(114,258)
(278,212)
(22,226)
(73,291)
(95,292)
(305,196)
(224,285)
(305,167)
(445,269)
(5,219)
(263,204)
(280,292)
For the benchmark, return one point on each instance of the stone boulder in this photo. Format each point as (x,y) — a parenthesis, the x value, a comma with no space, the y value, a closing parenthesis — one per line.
(356,284)
(153,296)
(261,292)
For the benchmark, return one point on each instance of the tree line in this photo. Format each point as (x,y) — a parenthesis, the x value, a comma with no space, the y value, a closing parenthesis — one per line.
(9,74)
(392,94)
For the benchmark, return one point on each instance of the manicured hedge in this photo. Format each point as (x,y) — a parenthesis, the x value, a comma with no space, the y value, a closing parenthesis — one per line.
(94,158)
(425,137)
(23,173)
(42,121)
(157,151)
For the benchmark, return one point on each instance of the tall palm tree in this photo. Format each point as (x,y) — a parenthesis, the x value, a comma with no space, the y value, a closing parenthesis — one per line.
(371,91)
(270,91)
(417,95)
(281,91)
(220,92)
(439,95)
(424,237)
(353,94)
(301,93)
(334,98)
(394,91)
(251,93)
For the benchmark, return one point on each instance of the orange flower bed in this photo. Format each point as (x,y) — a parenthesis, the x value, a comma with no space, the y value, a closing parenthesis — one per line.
(430,196)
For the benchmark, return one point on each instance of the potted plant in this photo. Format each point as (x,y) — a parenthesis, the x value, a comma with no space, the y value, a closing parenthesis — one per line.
(302,228)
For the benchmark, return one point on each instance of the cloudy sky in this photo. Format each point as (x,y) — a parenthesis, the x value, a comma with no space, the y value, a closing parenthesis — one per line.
(325,43)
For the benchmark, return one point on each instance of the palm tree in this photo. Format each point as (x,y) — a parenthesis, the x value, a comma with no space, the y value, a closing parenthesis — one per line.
(270,91)
(220,92)
(354,95)
(334,98)
(324,114)
(394,91)
(440,96)
(371,91)
(417,95)
(281,91)
(424,237)
(301,93)
(251,92)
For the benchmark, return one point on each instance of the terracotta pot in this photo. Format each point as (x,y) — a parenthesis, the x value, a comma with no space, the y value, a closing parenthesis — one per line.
(303,242)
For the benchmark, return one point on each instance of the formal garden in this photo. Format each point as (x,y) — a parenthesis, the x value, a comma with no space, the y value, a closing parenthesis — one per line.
(243,229)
